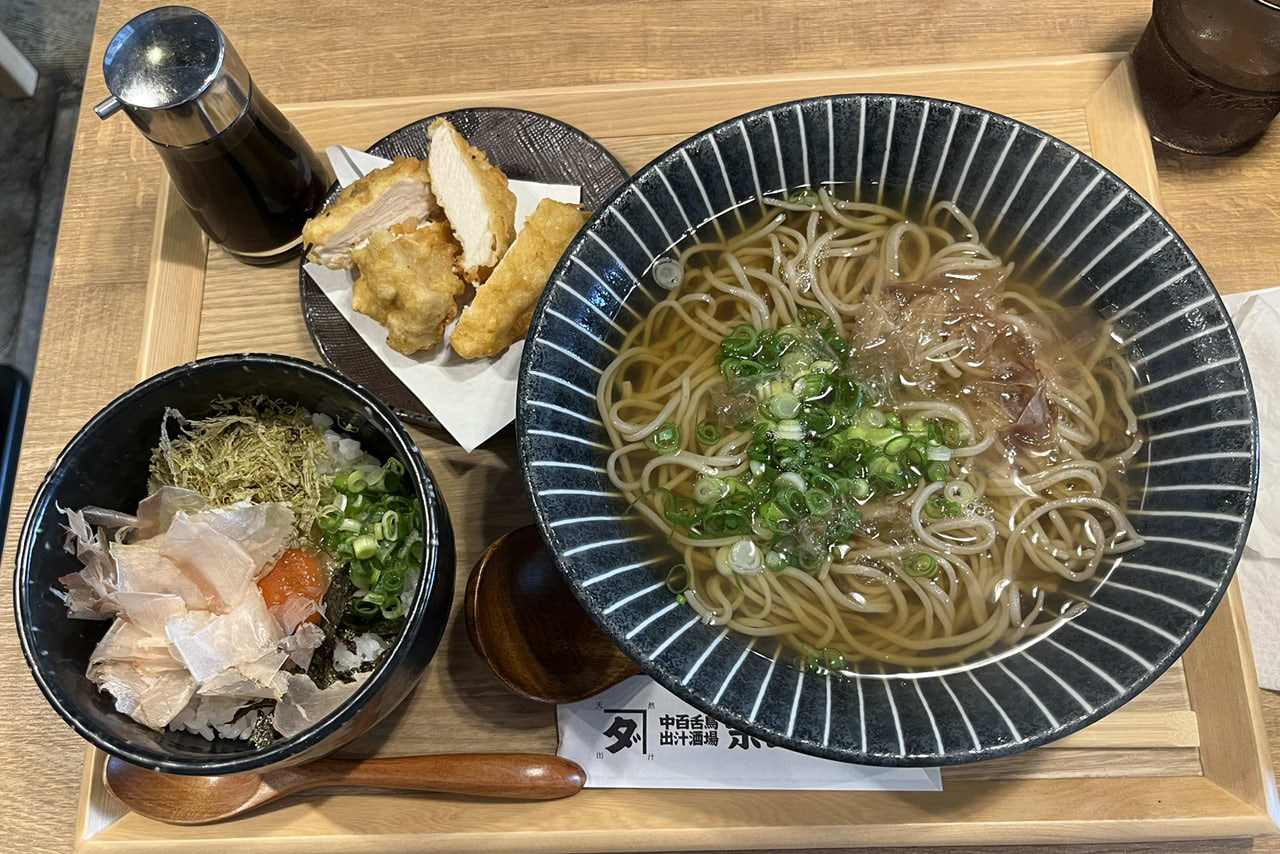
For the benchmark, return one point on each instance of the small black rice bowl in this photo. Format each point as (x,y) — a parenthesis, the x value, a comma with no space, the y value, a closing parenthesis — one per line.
(106,465)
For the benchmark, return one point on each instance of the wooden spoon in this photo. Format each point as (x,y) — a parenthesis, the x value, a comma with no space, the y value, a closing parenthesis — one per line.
(179,799)
(528,627)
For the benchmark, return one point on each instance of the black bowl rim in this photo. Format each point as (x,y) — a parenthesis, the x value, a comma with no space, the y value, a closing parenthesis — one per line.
(282,749)
(740,721)
(415,418)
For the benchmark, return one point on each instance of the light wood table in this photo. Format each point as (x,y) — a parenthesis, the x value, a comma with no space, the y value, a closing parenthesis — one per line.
(324,49)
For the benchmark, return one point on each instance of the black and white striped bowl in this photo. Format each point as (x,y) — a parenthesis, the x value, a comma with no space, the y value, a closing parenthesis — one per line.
(1072,226)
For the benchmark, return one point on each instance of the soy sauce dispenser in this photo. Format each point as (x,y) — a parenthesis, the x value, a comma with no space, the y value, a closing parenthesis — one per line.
(244,171)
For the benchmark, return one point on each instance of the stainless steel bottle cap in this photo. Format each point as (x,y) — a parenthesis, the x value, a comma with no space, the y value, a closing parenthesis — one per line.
(175,74)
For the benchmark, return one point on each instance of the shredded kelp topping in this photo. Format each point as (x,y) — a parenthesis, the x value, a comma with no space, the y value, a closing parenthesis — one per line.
(253,449)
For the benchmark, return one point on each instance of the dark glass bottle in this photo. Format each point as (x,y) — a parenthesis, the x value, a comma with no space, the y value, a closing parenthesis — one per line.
(1209,72)
(247,175)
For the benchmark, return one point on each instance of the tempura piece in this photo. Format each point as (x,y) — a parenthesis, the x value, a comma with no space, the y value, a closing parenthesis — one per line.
(394,195)
(503,306)
(407,284)
(475,197)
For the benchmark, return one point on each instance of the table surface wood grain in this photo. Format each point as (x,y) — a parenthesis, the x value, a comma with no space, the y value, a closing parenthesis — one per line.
(1226,208)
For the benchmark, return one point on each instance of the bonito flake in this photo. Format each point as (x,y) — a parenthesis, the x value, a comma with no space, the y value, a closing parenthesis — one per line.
(193,641)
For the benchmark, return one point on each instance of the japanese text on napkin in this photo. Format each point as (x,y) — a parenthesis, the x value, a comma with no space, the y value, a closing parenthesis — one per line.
(638,735)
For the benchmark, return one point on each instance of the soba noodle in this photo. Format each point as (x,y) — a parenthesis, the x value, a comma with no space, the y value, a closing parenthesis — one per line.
(870,441)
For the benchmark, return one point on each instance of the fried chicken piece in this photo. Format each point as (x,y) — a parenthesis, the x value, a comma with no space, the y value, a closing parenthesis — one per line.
(407,284)
(503,306)
(394,195)
(480,207)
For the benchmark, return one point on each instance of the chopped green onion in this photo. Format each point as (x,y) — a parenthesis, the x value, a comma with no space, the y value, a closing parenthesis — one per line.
(391,525)
(784,406)
(921,565)
(872,418)
(678,578)
(810,561)
(818,502)
(364,547)
(682,510)
(791,479)
(709,490)
(935,470)
(736,369)
(744,343)
(363,574)
(773,515)
(356,482)
(665,440)
(951,433)
(791,501)
(813,318)
(789,430)
(794,363)
(938,507)
(329,519)
(394,466)
(817,419)
(340,481)
(818,479)
(350,525)
(897,445)
(707,433)
(812,387)
(726,523)
(959,492)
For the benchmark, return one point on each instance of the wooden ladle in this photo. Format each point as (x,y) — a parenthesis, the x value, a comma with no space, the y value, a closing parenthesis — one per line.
(179,799)
(528,627)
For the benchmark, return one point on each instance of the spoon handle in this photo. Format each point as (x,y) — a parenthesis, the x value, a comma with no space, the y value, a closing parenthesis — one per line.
(528,776)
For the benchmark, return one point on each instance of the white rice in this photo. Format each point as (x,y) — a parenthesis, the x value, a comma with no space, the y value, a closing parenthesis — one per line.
(345,452)
(368,647)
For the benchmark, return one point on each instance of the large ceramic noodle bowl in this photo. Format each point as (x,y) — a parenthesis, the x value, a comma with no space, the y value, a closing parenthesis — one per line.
(889,429)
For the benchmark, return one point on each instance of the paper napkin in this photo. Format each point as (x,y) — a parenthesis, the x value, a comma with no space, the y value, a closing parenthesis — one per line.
(1257,319)
(638,735)
(471,398)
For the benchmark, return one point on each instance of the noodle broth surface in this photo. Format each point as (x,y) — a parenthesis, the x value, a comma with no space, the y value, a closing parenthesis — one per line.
(869,440)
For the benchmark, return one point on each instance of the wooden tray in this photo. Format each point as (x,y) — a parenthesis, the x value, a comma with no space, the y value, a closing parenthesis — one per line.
(1186,759)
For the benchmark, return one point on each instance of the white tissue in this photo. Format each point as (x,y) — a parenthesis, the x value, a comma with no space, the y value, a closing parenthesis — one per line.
(1257,322)
(472,399)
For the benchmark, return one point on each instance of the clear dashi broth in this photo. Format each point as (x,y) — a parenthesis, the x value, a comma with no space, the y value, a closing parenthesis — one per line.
(869,440)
